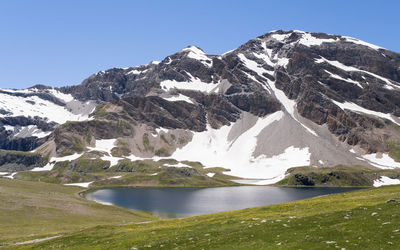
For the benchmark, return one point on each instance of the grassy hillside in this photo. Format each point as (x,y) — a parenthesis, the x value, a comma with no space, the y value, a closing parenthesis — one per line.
(132,173)
(338,176)
(30,210)
(394,149)
(12,161)
(365,219)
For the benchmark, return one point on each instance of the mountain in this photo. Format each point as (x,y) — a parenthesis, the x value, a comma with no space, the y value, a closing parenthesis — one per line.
(282,100)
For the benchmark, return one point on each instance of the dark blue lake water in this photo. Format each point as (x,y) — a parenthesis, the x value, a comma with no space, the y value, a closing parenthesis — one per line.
(182,202)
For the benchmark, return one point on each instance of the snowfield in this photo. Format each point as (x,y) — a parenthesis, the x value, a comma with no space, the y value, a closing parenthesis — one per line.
(35,106)
(213,149)
(384,181)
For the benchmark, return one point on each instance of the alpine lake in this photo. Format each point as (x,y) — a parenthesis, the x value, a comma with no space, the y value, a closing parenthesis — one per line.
(183,202)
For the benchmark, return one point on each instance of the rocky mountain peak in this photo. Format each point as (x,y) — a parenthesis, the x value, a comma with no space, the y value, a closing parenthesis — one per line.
(330,99)
(192,49)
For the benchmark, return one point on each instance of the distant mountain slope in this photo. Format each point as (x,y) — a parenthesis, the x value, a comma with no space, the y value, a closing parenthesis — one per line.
(284,99)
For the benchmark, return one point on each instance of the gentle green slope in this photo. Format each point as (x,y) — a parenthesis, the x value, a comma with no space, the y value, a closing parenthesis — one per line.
(356,220)
(337,176)
(30,210)
(132,173)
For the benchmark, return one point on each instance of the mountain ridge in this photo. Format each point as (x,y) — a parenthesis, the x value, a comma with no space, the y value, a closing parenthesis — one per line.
(319,99)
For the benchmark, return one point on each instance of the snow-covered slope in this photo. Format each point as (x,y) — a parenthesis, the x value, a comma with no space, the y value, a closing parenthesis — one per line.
(28,115)
(35,102)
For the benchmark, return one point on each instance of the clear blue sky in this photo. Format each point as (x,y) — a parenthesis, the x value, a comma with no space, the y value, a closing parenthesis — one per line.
(61,43)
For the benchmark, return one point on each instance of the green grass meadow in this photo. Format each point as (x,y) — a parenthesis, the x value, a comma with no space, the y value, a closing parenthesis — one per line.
(31,210)
(363,219)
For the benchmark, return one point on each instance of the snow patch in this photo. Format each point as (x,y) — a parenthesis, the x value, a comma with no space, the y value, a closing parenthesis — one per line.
(49,166)
(180,97)
(103,202)
(385,161)
(266,59)
(306,39)
(116,177)
(388,87)
(254,66)
(178,165)
(309,40)
(281,61)
(23,91)
(340,65)
(112,159)
(63,97)
(158,130)
(280,37)
(80,184)
(136,72)
(27,131)
(354,107)
(356,41)
(40,134)
(169,60)
(8,127)
(198,54)
(344,79)
(36,106)
(384,181)
(104,145)
(194,84)
(229,51)
(289,105)
(11,176)
(210,175)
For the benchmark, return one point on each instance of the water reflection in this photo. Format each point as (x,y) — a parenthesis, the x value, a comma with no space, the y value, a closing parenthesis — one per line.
(182,202)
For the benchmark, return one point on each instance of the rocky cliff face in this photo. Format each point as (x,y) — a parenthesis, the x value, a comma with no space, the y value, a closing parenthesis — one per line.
(284,99)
